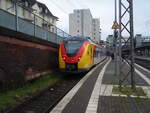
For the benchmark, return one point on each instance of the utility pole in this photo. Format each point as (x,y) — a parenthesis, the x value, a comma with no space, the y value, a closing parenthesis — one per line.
(115,27)
(132,46)
(126,44)
(115,39)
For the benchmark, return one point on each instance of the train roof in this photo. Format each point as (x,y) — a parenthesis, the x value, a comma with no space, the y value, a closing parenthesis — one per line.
(81,39)
(78,38)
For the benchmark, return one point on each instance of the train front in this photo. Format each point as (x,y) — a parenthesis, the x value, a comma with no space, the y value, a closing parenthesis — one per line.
(70,54)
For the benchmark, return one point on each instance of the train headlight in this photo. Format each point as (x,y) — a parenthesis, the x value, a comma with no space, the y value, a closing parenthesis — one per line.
(79,58)
(64,58)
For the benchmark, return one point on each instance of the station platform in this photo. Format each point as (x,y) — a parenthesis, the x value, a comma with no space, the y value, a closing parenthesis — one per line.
(94,93)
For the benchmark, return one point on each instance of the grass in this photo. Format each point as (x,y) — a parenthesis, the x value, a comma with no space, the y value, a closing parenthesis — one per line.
(14,97)
(127,90)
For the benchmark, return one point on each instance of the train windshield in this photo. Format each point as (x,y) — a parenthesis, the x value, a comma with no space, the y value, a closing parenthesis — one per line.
(72,47)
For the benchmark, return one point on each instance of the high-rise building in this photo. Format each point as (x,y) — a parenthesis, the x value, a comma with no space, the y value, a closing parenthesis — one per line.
(81,23)
(96,29)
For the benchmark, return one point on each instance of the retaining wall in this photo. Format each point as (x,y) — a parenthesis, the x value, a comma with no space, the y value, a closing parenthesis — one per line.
(20,59)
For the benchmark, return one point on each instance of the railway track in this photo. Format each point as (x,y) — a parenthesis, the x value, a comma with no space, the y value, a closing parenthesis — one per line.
(44,101)
(47,99)
(142,62)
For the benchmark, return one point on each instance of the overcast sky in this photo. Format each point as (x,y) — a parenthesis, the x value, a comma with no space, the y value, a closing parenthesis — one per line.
(103,9)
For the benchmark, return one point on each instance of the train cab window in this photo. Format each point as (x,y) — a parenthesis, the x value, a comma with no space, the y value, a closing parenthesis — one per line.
(72,47)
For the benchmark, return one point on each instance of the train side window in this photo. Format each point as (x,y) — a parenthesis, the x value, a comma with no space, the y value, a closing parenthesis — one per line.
(88,50)
(91,53)
(96,53)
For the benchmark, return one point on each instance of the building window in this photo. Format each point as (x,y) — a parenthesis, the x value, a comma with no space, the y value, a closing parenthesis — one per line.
(40,9)
(13,7)
(24,13)
(9,5)
(26,4)
(78,16)
(78,21)
(36,20)
(52,21)
(53,30)
(46,11)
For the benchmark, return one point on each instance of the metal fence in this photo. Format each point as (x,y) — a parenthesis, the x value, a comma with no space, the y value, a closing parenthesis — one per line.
(32,25)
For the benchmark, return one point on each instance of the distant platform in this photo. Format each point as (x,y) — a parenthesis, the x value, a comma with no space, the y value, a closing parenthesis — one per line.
(143,57)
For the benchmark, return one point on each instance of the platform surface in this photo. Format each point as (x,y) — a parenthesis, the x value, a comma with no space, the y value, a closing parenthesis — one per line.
(93,94)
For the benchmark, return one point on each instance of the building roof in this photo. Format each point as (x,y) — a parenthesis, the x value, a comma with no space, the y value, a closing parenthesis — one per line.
(44,8)
(31,2)
(23,4)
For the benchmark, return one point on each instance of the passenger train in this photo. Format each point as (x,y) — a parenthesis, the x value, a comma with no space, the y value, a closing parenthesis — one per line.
(78,54)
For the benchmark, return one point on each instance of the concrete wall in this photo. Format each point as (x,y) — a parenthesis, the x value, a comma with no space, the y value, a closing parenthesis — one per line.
(19,59)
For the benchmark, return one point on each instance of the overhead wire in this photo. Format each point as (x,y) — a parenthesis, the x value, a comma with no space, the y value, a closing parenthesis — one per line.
(71,3)
(82,5)
(59,7)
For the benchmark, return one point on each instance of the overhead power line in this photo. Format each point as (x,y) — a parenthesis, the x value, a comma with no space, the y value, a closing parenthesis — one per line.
(59,7)
(71,4)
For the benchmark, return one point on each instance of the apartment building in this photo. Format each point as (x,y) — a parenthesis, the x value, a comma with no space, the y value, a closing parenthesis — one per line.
(44,13)
(81,23)
(24,7)
(96,29)
(32,11)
